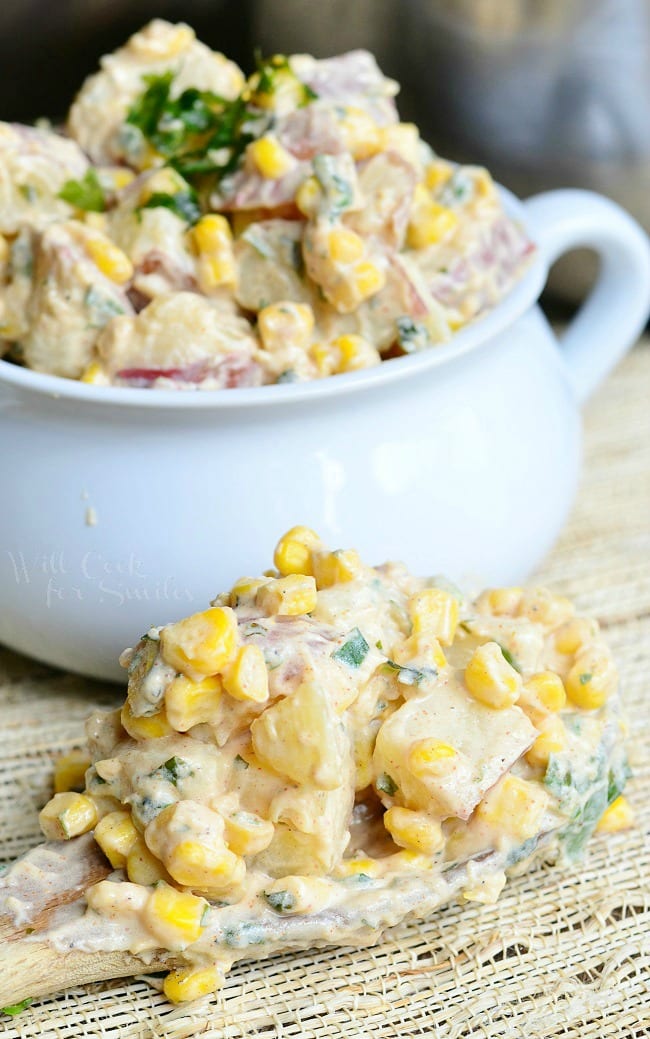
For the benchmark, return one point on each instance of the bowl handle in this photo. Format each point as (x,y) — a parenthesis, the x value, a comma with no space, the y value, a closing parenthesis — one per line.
(614,313)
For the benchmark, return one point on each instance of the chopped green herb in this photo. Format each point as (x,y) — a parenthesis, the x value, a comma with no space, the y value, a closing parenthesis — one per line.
(86,194)
(386,784)
(281,901)
(184,204)
(585,678)
(29,192)
(103,308)
(353,651)
(204,916)
(173,770)
(408,675)
(270,74)
(379,644)
(338,191)
(412,336)
(259,244)
(240,762)
(16,1008)
(583,794)
(508,657)
(287,376)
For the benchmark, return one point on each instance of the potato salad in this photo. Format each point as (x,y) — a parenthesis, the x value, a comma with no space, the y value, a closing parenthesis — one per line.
(191,228)
(325,751)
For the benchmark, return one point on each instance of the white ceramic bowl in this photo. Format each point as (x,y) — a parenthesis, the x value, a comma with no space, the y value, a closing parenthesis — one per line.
(122,508)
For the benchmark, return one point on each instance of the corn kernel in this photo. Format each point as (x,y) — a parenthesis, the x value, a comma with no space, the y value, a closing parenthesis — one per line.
(147,727)
(120,177)
(116,835)
(502,602)
(356,866)
(429,757)
(98,221)
(491,679)
(285,323)
(196,865)
(325,357)
(619,816)
(361,134)
(368,279)
(174,917)
(244,590)
(211,233)
(202,644)
(549,690)
(437,173)
(355,353)
(187,983)
(247,678)
(67,815)
(94,374)
(423,649)
(70,771)
(110,260)
(436,611)
(540,605)
(247,833)
(270,158)
(215,271)
(337,567)
(515,806)
(408,859)
(309,196)
(142,866)
(415,831)
(429,224)
(165,181)
(574,634)
(189,703)
(345,246)
(288,596)
(551,740)
(293,551)
(592,679)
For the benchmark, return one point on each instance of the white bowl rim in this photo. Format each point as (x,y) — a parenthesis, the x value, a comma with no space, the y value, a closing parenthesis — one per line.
(484,329)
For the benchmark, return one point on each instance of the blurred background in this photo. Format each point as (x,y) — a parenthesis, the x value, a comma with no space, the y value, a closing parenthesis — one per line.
(546,93)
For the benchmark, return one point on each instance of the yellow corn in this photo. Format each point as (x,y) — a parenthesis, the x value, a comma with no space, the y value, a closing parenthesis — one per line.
(270,158)
(67,815)
(345,246)
(491,679)
(196,865)
(116,835)
(285,323)
(165,181)
(355,353)
(434,611)
(515,806)
(415,831)
(215,271)
(187,983)
(70,771)
(551,740)
(98,221)
(437,173)
(430,223)
(94,374)
(430,757)
(174,917)
(360,133)
(247,678)
(189,703)
(423,649)
(247,833)
(574,634)
(142,866)
(408,859)
(293,551)
(619,816)
(338,567)
(592,679)
(502,602)
(289,596)
(244,590)
(353,867)
(368,279)
(202,644)
(149,727)
(308,197)
(120,177)
(360,282)
(540,605)
(326,358)
(211,233)
(549,689)
(483,183)
(110,260)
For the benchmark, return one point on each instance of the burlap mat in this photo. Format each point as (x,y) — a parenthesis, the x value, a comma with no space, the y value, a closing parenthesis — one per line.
(563,953)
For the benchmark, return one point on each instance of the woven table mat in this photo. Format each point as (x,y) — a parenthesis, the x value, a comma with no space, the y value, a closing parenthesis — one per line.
(564,953)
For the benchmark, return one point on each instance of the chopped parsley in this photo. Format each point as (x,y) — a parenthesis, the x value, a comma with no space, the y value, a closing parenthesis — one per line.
(272,73)
(281,901)
(103,308)
(85,194)
(408,675)
(386,784)
(173,770)
(508,657)
(183,203)
(585,678)
(412,335)
(337,190)
(353,651)
(240,762)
